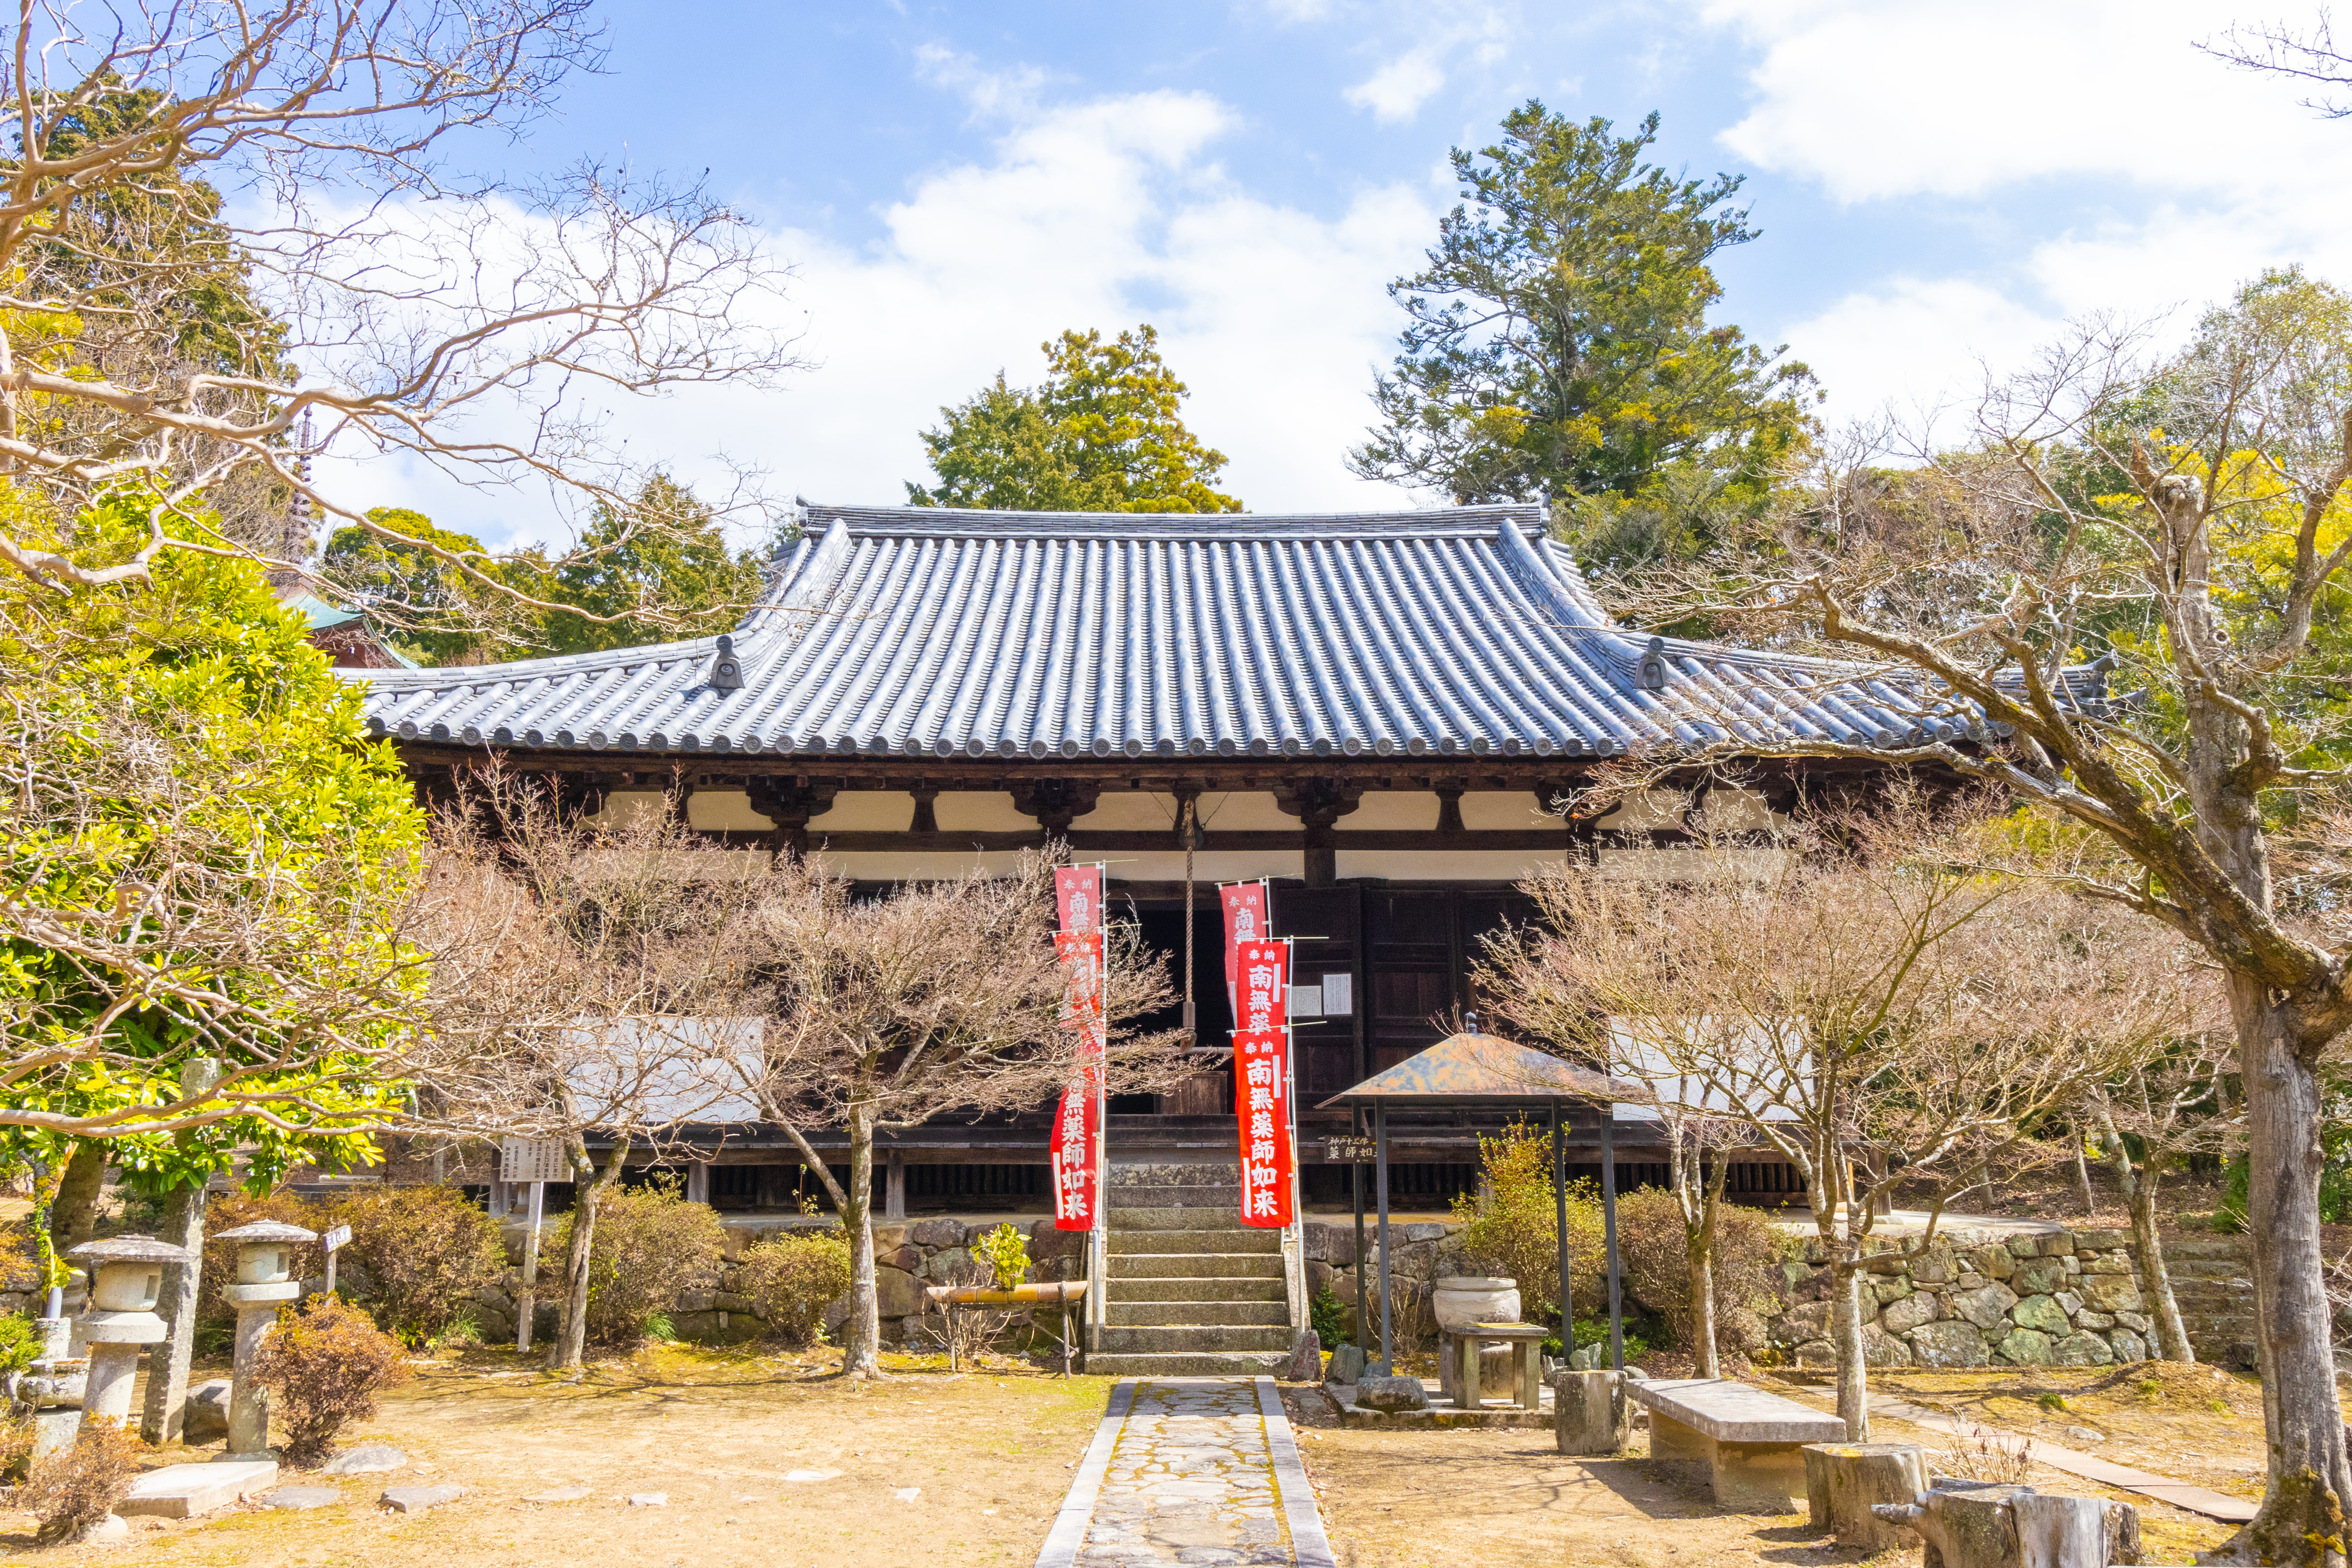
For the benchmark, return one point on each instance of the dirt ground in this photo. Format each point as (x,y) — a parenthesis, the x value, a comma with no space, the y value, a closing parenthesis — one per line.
(1510,1499)
(989,1455)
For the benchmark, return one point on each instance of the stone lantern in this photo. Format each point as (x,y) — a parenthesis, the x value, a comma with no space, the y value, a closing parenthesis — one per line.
(264,1278)
(126,1276)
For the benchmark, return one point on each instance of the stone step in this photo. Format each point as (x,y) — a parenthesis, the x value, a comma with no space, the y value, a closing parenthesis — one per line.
(1241,1238)
(1165,1339)
(1190,1288)
(1203,1218)
(1126,1177)
(1196,1265)
(2203,1247)
(1155,1314)
(1206,1197)
(1192,1363)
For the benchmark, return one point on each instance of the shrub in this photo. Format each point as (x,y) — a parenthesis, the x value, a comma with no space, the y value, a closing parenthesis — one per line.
(1511,1231)
(1006,1252)
(323,1365)
(20,1344)
(79,1485)
(1327,1316)
(794,1279)
(421,1254)
(651,1248)
(1657,1265)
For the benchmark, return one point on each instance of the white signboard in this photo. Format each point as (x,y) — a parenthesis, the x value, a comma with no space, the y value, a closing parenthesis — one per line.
(533,1159)
(1338,995)
(1306,1000)
(339,1237)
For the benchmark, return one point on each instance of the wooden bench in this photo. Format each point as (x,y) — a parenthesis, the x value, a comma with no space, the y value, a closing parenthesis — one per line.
(1457,1367)
(1748,1444)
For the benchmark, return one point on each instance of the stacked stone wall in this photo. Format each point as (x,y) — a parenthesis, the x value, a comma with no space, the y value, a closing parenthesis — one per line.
(1975,1298)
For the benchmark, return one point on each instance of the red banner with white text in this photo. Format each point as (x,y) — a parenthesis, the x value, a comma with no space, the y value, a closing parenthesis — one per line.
(1261,1081)
(1246,920)
(1077,1145)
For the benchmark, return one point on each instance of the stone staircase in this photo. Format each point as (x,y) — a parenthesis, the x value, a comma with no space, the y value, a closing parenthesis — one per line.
(2211,1282)
(1193,1291)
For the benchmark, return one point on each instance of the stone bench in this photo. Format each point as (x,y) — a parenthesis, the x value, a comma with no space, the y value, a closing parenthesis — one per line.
(1748,1444)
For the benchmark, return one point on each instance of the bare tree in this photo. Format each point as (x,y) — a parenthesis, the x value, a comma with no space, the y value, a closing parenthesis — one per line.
(929,1000)
(2176,513)
(2177,1103)
(582,982)
(1866,1014)
(235,235)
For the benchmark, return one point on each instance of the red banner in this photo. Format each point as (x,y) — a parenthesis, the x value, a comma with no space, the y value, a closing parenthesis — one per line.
(1261,1081)
(1246,920)
(1078,1133)
(1078,1122)
(1078,892)
(1081,952)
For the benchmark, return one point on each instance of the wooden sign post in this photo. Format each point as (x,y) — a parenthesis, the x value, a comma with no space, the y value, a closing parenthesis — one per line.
(537,1160)
(334,1241)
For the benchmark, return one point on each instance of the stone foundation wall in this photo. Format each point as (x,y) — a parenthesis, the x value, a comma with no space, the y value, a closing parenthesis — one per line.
(1975,1299)
(1426,1250)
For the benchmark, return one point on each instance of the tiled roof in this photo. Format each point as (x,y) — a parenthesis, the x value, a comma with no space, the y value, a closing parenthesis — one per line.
(926,632)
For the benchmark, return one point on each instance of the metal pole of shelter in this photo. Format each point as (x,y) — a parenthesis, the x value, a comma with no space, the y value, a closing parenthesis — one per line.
(1356,1189)
(1380,1183)
(1609,1232)
(529,1302)
(1559,1220)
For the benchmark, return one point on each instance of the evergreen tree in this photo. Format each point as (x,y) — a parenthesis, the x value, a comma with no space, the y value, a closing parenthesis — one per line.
(662,565)
(1104,432)
(1558,346)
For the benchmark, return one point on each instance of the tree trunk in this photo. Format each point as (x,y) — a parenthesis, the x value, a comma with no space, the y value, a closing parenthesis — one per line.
(74,1217)
(2155,1278)
(163,1418)
(2082,1193)
(1845,1337)
(2303,1514)
(861,1353)
(1698,1242)
(563,1353)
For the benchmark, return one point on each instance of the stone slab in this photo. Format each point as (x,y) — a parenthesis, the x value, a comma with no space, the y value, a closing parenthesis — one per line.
(559,1494)
(1731,1412)
(184,1491)
(368,1460)
(416,1500)
(301,1498)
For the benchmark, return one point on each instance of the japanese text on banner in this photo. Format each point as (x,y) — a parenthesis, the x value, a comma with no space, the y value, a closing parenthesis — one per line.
(1078,897)
(1262,1082)
(1078,1133)
(1081,952)
(1246,920)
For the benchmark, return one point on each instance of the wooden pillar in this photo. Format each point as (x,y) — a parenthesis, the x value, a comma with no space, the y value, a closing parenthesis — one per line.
(698,1182)
(894,1200)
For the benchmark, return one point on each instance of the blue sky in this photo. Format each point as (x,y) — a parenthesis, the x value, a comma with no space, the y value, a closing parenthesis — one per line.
(1938,185)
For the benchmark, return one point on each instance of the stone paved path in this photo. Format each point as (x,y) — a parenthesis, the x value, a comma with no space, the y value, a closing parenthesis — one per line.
(1199,1472)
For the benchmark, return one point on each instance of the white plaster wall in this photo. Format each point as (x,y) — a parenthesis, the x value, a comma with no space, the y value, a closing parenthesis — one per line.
(624,808)
(975,811)
(1446,865)
(1252,812)
(1209,865)
(867,810)
(1691,863)
(1392,811)
(883,867)
(719,811)
(1514,810)
(1129,811)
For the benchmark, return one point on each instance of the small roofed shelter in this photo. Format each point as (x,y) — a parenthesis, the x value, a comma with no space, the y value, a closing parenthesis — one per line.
(1473,1070)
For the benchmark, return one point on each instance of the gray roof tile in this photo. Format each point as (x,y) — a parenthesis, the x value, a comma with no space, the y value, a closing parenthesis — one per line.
(915,631)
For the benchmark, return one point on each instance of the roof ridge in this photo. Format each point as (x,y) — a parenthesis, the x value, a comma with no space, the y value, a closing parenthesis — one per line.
(977,522)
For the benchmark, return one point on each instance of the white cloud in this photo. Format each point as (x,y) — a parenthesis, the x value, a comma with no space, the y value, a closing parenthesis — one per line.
(1397,91)
(2139,174)
(1097,214)
(1916,345)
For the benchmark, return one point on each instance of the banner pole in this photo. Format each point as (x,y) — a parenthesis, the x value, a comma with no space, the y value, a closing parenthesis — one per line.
(1100,1267)
(1300,1314)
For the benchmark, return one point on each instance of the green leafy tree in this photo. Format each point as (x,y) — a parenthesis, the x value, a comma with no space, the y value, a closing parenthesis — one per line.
(1557,345)
(435,610)
(1104,432)
(661,565)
